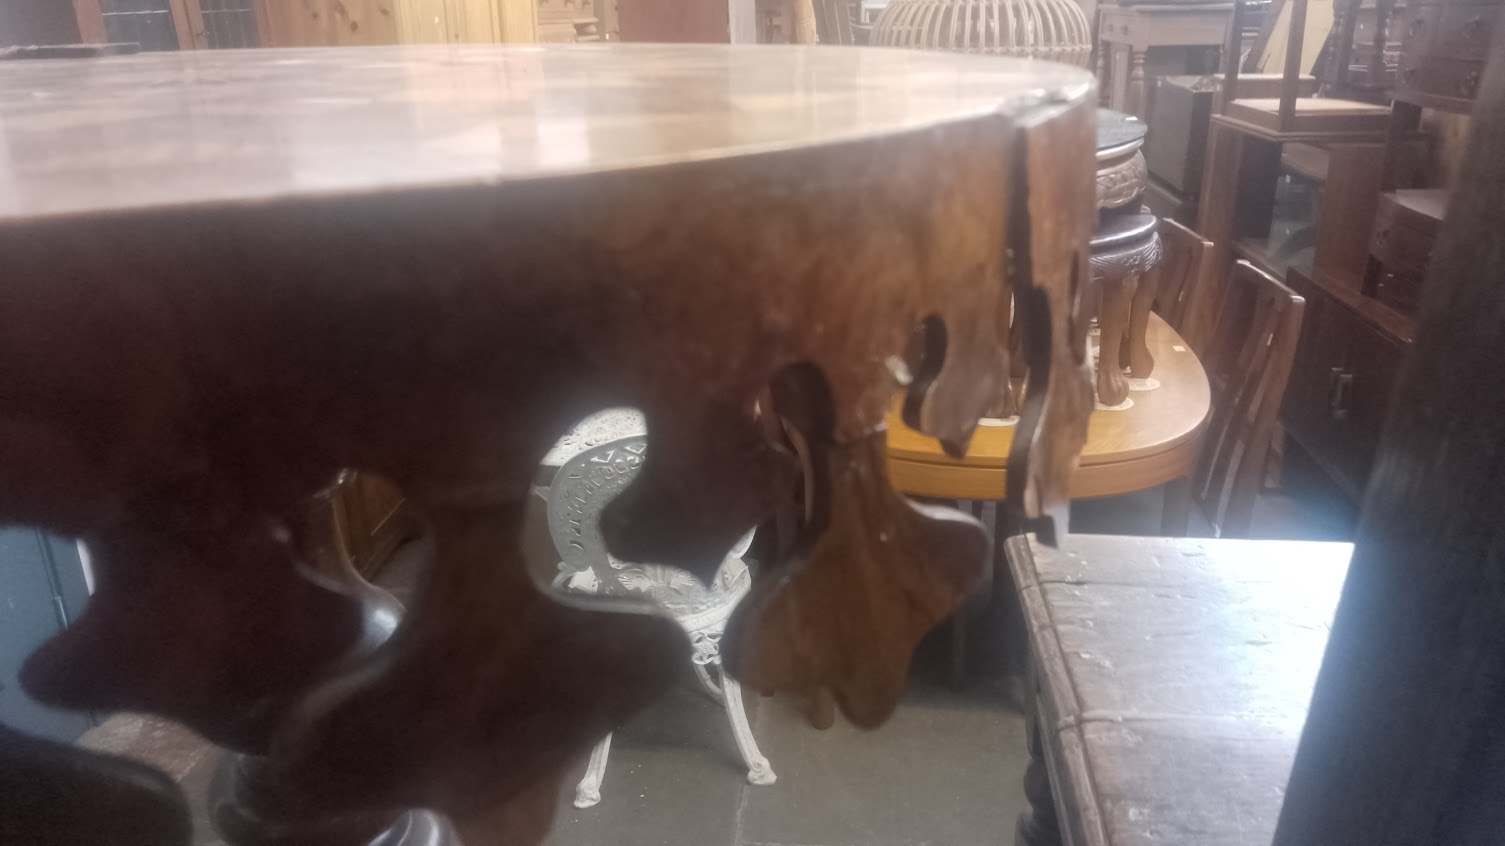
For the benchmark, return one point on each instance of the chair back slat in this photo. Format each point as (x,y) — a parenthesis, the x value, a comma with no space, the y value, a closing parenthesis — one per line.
(1182,276)
(833,22)
(1248,363)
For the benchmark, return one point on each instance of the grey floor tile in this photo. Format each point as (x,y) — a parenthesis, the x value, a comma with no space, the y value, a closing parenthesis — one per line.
(673,779)
(945,771)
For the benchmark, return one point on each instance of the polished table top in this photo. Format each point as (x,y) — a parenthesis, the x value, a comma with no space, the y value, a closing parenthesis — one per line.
(1174,677)
(230,274)
(227,125)
(1148,444)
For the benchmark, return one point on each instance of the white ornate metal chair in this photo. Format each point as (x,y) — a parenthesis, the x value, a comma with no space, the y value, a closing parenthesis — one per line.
(596,460)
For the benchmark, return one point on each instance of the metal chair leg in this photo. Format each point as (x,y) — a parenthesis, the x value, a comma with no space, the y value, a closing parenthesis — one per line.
(758,770)
(588,791)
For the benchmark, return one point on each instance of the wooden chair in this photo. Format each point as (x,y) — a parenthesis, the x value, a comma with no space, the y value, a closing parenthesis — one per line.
(1290,116)
(1182,276)
(1248,361)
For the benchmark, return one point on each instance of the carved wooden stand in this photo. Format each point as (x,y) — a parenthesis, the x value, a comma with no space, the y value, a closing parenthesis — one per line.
(1123,250)
(425,263)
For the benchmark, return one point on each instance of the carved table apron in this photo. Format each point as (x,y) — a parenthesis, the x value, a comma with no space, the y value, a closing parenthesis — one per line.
(230,274)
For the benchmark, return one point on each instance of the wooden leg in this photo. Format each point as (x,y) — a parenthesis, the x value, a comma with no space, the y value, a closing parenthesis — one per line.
(1038,825)
(1176,511)
(1119,99)
(1135,103)
(1136,349)
(1113,323)
(1006,598)
(958,648)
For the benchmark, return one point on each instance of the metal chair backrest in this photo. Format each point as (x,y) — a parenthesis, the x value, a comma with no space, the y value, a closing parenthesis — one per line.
(1248,362)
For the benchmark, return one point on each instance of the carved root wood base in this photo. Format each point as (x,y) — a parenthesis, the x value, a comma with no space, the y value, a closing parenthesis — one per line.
(918,563)
(54,794)
(176,379)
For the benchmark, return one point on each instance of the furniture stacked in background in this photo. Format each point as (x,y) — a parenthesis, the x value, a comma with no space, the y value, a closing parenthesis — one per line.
(218,24)
(1053,30)
(1137,42)
(1294,186)
(1363,307)
(1179,118)
(1174,678)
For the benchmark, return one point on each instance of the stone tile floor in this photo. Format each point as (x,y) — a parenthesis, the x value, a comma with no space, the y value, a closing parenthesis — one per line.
(945,771)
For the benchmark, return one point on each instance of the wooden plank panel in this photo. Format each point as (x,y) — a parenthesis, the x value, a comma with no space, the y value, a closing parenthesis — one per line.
(674,21)
(472,21)
(421,22)
(326,23)
(91,22)
(517,21)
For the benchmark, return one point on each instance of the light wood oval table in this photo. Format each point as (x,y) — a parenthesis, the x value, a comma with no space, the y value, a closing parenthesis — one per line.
(1153,442)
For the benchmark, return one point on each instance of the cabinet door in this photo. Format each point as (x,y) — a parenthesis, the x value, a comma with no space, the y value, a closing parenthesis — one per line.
(1307,411)
(1340,387)
(42,587)
(1371,367)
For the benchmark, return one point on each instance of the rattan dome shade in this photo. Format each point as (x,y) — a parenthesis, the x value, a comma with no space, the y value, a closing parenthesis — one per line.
(1055,30)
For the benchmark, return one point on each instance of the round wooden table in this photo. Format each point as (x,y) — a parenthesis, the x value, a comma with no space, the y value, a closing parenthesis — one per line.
(1153,442)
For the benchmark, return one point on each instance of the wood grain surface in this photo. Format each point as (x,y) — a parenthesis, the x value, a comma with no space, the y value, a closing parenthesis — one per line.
(231,275)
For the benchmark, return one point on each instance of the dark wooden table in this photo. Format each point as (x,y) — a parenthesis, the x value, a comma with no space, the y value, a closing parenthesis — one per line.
(1171,680)
(232,274)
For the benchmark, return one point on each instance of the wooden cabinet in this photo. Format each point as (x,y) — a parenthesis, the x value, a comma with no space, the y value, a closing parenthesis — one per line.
(1405,229)
(1341,382)
(318,23)
(211,24)
(1442,53)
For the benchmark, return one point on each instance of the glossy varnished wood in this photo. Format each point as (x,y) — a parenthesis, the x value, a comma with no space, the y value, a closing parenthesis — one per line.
(225,126)
(1149,444)
(1172,680)
(231,275)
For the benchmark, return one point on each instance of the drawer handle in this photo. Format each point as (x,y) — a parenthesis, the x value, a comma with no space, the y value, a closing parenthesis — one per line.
(1416,27)
(1408,75)
(1340,385)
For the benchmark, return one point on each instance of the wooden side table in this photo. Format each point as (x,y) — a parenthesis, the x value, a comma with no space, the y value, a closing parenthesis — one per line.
(1171,679)
(1126,33)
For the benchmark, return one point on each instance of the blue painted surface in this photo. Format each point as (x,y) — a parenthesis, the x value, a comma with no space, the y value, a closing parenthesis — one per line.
(42,587)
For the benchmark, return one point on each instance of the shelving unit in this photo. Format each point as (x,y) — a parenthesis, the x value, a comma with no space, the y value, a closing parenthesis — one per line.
(1361,314)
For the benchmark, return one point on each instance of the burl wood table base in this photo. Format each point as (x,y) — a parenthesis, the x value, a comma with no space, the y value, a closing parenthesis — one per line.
(228,275)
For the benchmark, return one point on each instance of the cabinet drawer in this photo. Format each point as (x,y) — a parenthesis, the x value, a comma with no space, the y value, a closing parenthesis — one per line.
(1340,387)
(1401,248)
(1399,288)
(1463,32)
(1440,81)
(1456,31)
(1417,26)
